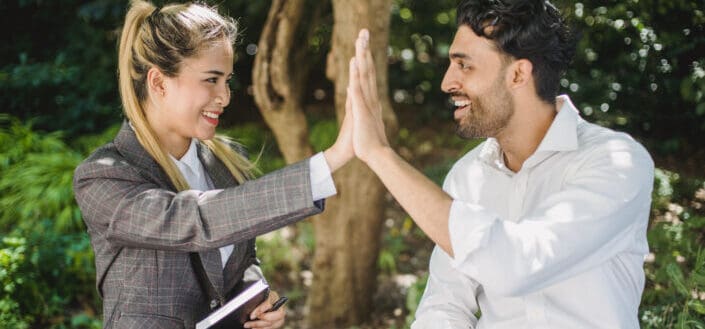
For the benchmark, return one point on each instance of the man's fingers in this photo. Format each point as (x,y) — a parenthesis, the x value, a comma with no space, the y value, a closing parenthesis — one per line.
(355,91)
(361,48)
(371,75)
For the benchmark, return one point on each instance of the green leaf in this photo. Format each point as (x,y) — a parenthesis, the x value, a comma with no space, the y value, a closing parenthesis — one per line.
(676,275)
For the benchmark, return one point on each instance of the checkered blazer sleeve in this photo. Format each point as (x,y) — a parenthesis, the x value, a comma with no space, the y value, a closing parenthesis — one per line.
(119,202)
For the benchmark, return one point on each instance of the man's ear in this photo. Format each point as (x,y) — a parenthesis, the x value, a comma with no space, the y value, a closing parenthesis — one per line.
(155,82)
(520,73)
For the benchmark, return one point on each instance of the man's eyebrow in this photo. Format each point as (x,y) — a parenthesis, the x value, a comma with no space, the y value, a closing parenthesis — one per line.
(460,56)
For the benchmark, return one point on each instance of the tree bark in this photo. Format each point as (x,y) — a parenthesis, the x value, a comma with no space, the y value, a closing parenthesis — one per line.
(348,236)
(348,232)
(278,85)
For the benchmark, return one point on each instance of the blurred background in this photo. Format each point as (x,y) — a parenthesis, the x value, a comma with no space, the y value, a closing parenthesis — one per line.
(640,68)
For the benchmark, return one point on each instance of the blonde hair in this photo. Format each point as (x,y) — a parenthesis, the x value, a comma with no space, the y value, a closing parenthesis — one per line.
(163,38)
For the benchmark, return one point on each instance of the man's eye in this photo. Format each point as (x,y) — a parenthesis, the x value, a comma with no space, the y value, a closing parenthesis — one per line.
(464,66)
(212,80)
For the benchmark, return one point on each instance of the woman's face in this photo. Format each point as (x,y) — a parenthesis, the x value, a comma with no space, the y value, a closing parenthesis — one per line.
(194,99)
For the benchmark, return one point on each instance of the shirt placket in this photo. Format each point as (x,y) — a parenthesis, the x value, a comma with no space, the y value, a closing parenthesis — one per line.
(516,205)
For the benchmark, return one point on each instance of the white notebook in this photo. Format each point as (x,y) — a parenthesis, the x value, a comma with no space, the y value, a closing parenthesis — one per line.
(239,308)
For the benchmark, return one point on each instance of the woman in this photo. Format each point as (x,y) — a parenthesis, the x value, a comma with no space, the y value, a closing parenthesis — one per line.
(167,189)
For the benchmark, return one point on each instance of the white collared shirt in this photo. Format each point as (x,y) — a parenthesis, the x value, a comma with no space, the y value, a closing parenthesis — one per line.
(559,244)
(190,166)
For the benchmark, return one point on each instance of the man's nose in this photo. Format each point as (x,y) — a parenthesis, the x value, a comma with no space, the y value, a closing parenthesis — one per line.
(450,81)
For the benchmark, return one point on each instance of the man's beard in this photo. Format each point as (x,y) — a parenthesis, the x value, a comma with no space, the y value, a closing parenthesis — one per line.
(488,115)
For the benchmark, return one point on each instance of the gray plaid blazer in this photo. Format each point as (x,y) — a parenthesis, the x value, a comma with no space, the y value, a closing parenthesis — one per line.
(142,230)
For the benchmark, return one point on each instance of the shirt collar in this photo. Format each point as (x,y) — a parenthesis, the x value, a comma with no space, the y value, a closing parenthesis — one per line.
(562,135)
(190,158)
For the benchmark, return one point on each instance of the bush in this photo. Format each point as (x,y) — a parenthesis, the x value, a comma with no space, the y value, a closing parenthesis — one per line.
(675,270)
(48,271)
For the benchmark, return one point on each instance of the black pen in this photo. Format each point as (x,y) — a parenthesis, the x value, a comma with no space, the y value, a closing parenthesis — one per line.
(278,304)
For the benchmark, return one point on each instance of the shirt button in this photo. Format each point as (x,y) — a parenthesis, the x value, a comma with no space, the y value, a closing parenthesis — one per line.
(214,303)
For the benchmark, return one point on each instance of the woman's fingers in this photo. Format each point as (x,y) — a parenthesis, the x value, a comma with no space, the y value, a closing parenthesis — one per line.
(260,309)
(261,319)
(268,320)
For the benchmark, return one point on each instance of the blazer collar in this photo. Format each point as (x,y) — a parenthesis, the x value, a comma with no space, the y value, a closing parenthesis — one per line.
(127,144)
(217,171)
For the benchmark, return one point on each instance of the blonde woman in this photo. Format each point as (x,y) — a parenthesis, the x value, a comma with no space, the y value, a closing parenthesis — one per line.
(167,188)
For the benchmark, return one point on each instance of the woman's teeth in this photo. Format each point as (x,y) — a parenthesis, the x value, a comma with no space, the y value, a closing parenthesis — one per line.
(211,115)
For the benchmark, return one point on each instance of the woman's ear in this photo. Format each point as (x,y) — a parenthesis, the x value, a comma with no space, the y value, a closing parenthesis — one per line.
(520,73)
(155,82)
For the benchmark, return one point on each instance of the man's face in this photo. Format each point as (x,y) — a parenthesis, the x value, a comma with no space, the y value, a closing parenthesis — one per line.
(476,82)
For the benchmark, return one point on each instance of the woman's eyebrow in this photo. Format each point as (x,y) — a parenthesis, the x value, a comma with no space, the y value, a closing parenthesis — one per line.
(219,73)
(216,72)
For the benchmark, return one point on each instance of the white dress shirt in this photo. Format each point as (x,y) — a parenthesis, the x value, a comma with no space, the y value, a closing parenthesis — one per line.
(558,244)
(192,169)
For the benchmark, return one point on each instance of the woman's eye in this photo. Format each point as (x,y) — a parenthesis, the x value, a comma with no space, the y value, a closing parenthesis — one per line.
(212,80)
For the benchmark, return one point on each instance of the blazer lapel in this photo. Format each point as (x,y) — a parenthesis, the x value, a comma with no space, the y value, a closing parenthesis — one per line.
(127,144)
(214,268)
(221,178)
(216,170)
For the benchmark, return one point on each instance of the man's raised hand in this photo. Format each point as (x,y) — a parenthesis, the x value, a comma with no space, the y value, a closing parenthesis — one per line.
(368,131)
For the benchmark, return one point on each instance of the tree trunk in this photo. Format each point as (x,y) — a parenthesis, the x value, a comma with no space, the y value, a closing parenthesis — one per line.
(278,85)
(348,232)
(348,235)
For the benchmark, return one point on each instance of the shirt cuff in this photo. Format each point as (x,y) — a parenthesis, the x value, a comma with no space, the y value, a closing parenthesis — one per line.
(470,226)
(322,185)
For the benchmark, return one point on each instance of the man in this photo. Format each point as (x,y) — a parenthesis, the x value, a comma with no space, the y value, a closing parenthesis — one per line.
(543,225)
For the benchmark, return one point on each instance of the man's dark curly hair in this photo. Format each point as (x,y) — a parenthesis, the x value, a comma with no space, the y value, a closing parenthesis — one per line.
(525,29)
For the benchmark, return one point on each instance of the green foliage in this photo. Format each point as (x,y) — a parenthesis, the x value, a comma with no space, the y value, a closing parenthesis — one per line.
(396,245)
(640,70)
(284,254)
(12,256)
(50,278)
(421,33)
(48,271)
(413,297)
(323,134)
(65,79)
(36,181)
(675,271)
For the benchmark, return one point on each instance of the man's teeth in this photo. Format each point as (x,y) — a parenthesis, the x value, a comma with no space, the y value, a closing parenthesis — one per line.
(211,115)
(461,103)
